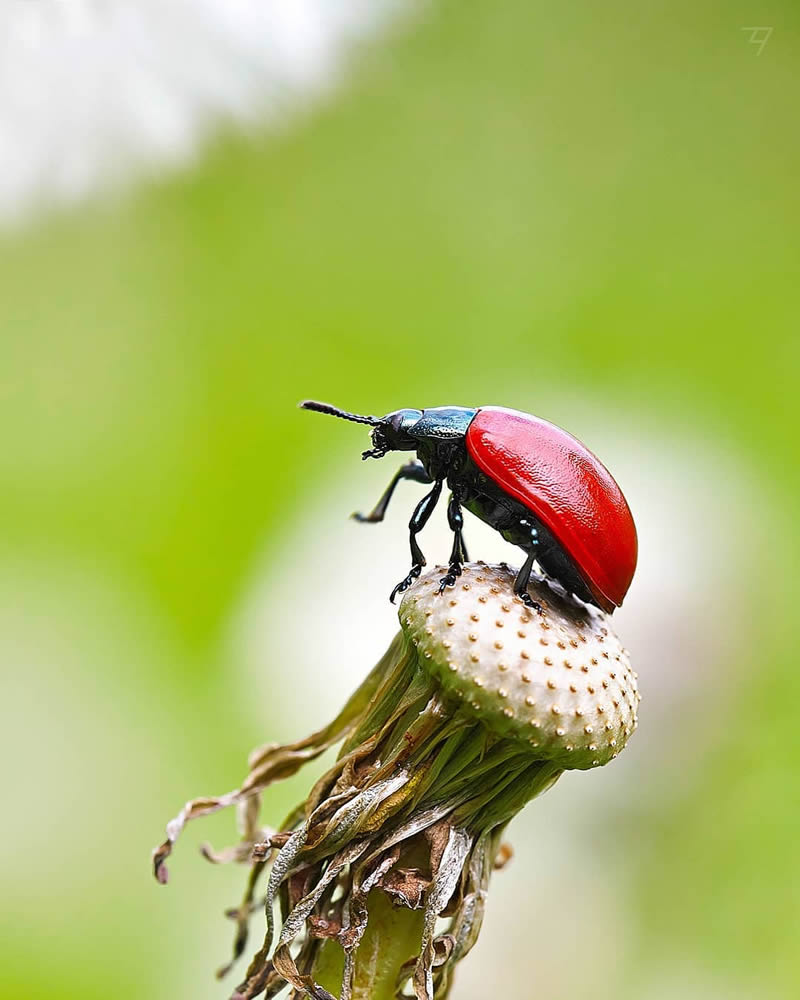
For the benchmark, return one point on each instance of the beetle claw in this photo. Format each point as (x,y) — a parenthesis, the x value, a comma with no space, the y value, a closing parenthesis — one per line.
(364,518)
(449,579)
(529,602)
(404,584)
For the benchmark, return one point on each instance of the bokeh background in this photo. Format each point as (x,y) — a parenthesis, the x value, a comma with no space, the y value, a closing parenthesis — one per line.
(586,211)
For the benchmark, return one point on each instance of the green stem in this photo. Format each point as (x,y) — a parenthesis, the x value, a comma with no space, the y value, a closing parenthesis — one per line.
(392,936)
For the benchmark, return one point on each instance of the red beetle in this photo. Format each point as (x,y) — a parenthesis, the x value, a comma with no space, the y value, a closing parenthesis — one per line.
(530,480)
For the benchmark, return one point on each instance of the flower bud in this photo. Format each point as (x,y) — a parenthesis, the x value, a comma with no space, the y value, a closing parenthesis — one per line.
(559,679)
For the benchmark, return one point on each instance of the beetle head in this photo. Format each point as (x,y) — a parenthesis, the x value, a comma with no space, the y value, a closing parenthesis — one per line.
(393,433)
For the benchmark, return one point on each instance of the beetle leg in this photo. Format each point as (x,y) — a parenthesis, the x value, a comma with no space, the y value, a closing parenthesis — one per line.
(411,470)
(419,519)
(459,554)
(524,575)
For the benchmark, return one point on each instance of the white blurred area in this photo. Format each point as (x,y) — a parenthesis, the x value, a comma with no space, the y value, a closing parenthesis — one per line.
(94,92)
(565,903)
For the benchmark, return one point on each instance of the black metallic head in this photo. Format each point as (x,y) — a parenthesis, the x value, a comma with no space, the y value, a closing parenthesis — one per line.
(393,433)
(389,433)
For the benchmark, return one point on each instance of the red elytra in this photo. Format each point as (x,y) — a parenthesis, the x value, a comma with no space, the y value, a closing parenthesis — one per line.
(568,489)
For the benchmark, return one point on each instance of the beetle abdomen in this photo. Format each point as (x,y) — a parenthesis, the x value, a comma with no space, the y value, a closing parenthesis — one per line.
(568,489)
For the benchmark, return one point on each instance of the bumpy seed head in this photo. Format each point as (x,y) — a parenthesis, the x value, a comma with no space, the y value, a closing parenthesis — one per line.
(560,680)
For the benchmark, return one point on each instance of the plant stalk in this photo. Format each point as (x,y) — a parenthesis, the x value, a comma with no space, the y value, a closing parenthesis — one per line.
(392,937)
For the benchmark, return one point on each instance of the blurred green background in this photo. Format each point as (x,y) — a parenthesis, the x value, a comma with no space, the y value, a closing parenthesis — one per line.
(505,202)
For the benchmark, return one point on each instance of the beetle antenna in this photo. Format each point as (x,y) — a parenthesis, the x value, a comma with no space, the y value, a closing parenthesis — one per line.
(334,411)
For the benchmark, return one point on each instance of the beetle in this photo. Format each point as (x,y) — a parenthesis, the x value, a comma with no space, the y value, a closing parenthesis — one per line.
(536,484)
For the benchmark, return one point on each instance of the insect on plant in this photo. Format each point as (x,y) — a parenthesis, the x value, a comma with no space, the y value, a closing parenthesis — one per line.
(527,478)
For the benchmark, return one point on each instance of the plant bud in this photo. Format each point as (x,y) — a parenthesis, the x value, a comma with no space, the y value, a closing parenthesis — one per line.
(558,679)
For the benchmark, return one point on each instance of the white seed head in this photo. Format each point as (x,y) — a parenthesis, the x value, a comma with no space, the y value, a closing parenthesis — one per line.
(502,673)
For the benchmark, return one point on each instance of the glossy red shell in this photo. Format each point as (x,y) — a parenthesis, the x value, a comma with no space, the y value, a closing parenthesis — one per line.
(568,489)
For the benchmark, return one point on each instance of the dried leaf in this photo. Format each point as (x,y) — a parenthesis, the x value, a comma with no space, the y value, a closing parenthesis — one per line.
(406,886)
(445,879)
(504,855)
